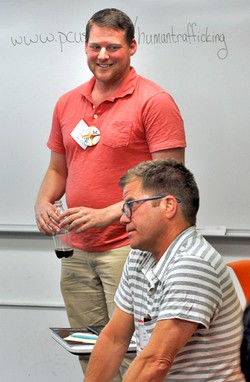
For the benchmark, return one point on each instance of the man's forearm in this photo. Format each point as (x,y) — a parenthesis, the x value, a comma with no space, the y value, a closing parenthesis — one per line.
(105,360)
(52,187)
(113,212)
(145,371)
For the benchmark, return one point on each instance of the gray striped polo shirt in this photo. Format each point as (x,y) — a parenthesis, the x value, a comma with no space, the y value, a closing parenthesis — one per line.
(189,282)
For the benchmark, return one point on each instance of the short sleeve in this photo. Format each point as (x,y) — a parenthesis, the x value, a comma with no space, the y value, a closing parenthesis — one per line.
(191,292)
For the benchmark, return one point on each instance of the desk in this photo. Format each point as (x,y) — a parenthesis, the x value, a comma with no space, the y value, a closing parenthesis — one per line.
(58,334)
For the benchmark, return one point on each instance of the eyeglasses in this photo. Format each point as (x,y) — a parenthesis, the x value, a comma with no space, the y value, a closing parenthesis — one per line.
(127,208)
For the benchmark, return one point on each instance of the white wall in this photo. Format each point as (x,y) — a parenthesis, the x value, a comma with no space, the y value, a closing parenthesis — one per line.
(27,352)
(30,303)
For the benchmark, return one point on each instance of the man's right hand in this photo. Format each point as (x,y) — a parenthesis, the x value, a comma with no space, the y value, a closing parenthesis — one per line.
(46,218)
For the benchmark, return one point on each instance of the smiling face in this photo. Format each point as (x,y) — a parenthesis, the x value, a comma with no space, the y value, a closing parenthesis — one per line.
(108,54)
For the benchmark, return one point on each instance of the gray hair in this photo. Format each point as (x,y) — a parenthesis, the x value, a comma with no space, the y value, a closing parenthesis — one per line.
(169,177)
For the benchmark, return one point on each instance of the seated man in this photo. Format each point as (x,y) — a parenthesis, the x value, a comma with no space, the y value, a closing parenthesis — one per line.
(175,291)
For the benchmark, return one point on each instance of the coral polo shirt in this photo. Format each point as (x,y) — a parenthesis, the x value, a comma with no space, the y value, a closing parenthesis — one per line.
(139,120)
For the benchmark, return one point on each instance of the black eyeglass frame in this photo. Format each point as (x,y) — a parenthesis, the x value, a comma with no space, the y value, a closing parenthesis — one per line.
(128,206)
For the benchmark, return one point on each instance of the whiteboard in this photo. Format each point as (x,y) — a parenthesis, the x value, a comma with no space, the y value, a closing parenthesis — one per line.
(196,50)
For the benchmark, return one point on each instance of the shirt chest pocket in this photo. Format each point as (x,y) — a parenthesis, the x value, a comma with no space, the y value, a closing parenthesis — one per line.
(117,133)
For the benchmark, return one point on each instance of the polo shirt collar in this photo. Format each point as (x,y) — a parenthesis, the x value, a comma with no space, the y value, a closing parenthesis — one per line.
(155,271)
(126,88)
(169,255)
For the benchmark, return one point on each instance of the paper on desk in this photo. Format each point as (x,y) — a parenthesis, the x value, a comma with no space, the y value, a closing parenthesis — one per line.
(82,340)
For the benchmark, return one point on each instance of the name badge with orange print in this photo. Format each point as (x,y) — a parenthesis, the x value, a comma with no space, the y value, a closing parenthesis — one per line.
(85,135)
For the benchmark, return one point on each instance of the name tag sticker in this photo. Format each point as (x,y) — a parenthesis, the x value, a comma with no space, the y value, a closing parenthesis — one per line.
(84,135)
(143,335)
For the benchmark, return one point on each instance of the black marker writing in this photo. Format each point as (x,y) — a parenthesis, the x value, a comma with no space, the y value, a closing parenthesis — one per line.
(191,35)
(61,37)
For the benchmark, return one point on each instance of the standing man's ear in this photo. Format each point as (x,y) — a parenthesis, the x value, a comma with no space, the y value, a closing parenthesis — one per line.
(133,47)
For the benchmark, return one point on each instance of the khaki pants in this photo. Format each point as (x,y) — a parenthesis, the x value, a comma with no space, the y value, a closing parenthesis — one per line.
(88,284)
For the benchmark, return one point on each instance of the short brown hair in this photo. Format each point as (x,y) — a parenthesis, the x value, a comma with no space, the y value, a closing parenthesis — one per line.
(112,18)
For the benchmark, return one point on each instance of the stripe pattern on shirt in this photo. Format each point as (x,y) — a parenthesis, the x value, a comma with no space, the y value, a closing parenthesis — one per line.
(189,282)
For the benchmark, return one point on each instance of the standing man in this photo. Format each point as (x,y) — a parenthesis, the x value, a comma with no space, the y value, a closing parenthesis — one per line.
(99,130)
(175,290)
